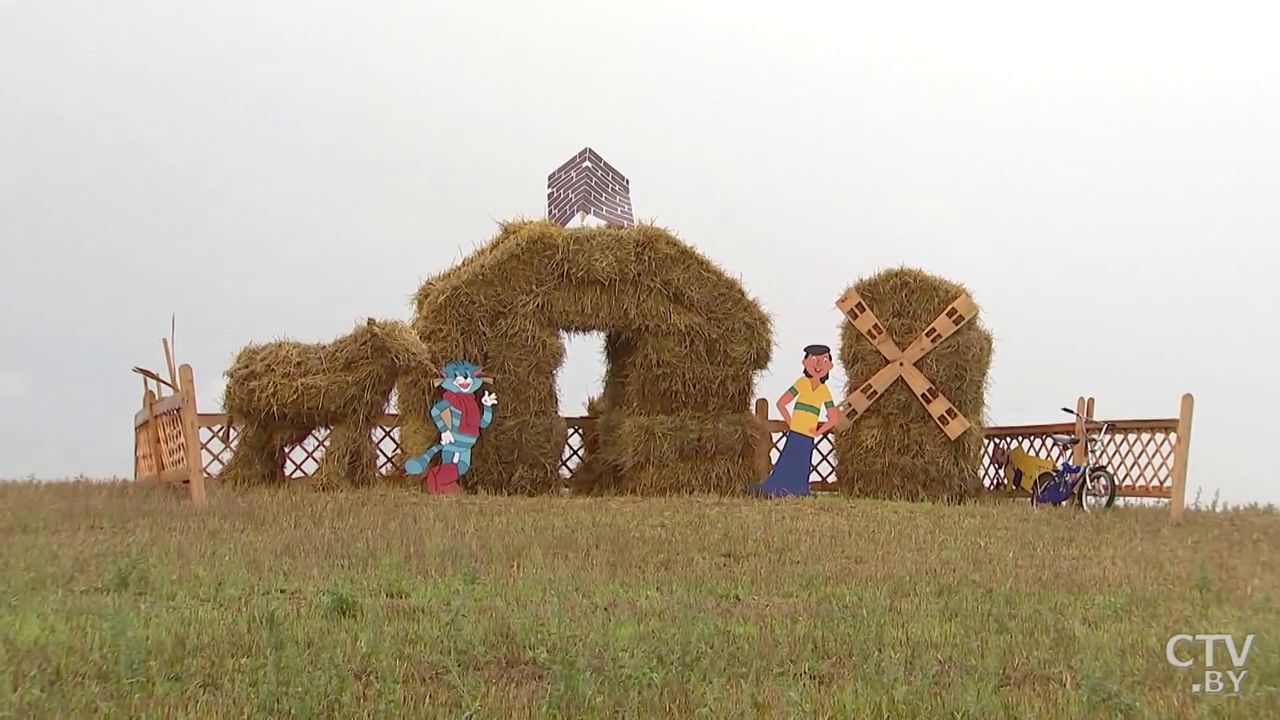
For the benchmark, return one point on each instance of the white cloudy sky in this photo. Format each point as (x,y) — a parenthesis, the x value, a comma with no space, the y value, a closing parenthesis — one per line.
(1102,175)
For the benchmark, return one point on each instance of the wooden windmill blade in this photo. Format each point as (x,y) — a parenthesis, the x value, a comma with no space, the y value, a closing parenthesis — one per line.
(952,319)
(859,400)
(939,407)
(860,315)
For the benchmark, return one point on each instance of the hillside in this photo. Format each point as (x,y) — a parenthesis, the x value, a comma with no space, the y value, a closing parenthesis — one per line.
(124,602)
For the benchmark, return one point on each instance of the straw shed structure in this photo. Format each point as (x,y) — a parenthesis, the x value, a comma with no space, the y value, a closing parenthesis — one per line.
(279,392)
(896,448)
(683,343)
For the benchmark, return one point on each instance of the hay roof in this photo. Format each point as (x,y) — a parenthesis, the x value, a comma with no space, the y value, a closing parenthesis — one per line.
(640,278)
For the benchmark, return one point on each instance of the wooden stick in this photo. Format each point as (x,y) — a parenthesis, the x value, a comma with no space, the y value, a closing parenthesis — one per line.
(152,376)
(1181,455)
(168,361)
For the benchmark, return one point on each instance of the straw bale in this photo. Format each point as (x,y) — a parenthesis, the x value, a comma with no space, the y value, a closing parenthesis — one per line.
(279,392)
(259,454)
(590,474)
(350,458)
(642,449)
(895,450)
(681,339)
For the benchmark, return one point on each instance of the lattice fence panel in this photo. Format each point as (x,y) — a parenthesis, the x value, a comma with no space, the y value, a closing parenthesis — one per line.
(144,460)
(171,444)
(1142,459)
(391,455)
(215,450)
(823,466)
(573,451)
(303,459)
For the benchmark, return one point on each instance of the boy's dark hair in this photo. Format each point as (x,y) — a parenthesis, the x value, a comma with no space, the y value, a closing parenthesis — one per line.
(813,350)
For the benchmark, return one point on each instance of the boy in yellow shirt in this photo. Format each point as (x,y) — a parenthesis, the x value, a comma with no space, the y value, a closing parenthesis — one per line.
(810,395)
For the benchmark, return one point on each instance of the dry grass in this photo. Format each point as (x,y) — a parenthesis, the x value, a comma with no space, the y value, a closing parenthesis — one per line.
(125,602)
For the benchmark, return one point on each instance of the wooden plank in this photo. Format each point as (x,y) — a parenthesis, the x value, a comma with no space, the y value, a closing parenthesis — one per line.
(1181,455)
(1153,425)
(191,434)
(1131,425)
(952,319)
(207,420)
(153,426)
(859,400)
(1119,427)
(1143,491)
(764,444)
(1079,452)
(865,321)
(939,408)
(156,409)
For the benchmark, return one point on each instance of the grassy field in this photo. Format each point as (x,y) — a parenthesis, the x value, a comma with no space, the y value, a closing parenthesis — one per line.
(127,602)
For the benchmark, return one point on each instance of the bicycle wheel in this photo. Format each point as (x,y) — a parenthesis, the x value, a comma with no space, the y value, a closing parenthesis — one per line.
(1097,490)
(1038,486)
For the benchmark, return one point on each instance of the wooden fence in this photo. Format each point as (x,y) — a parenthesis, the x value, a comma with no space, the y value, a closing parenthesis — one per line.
(1144,454)
(166,447)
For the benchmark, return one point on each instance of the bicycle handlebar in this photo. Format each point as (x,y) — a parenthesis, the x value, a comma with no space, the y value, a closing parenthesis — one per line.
(1105,425)
(1069,411)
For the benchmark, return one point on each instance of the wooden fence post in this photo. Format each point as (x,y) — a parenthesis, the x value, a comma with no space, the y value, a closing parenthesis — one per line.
(1181,453)
(191,435)
(764,445)
(1080,452)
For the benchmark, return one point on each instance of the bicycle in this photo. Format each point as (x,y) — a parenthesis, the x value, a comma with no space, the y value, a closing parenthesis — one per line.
(1092,480)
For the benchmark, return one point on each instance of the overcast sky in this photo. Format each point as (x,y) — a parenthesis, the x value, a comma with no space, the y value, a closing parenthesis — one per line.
(1103,176)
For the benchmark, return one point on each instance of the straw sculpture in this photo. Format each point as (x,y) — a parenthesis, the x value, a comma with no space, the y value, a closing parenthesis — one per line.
(683,342)
(895,450)
(279,392)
